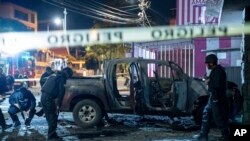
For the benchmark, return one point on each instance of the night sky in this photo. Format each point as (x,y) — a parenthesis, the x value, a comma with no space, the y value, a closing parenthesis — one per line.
(47,11)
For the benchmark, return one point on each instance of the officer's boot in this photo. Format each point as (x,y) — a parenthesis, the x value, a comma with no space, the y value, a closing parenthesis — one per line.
(17,124)
(27,122)
(6,126)
(15,119)
(40,113)
(2,122)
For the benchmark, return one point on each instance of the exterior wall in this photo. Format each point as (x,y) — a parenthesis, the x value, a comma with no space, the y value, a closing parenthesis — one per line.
(29,19)
(190,55)
(12,11)
(229,57)
(200,67)
(193,12)
(178,51)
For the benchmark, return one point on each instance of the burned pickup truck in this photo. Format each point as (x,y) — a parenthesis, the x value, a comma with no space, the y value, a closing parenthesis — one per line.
(132,85)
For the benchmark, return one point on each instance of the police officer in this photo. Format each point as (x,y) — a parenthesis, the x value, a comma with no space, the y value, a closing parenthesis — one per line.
(44,77)
(3,122)
(17,75)
(3,89)
(217,106)
(3,82)
(52,90)
(22,100)
(18,84)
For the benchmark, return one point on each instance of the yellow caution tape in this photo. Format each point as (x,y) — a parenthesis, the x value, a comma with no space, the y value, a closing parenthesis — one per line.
(31,40)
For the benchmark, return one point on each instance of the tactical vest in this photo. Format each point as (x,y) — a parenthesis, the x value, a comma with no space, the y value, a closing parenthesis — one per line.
(51,86)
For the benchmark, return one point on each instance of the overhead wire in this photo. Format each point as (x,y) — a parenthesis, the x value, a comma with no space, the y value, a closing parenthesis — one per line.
(102,11)
(91,16)
(132,9)
(94,11)
(146,17)
(154,11)
(107,10)
(112,7)
(129,6)
(94,6)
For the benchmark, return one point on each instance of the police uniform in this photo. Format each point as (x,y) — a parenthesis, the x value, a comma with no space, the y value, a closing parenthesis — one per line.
(43,79)
(217,106)
(25,101)
(51,90)
(45,75)
(3,89)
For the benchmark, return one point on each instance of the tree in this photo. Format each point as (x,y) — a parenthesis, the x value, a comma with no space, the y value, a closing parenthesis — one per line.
(108,51)
(105,52)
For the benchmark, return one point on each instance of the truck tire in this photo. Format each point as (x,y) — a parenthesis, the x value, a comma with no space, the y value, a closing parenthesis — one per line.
(87,113)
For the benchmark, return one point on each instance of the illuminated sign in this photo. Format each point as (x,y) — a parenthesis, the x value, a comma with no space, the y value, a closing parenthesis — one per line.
(199,2)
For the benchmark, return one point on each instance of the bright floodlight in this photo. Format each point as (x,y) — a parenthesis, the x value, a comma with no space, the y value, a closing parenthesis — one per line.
(58,21)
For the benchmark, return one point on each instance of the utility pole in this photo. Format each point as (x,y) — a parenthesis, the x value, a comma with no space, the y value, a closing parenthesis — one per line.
(65,26)
(144,5)
(65,20)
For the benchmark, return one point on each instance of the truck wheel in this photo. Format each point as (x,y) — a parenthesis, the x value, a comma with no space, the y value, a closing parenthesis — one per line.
(87,113)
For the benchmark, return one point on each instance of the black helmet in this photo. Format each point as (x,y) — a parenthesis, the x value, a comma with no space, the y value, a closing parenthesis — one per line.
(69,71)
(211,58)
(48,69)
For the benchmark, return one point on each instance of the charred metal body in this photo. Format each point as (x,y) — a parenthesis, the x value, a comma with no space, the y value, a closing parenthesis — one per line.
(154,87)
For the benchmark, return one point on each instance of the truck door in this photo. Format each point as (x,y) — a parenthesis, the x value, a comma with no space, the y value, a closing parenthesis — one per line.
(180,86)
(136,91)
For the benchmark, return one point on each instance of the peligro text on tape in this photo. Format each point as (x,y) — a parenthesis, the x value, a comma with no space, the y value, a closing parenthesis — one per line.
(29,40)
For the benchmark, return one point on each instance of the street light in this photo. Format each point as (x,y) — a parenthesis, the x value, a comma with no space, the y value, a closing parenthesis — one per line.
(58,21)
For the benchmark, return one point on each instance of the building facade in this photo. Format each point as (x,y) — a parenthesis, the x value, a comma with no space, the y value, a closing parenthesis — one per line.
(32,62)
(16,18)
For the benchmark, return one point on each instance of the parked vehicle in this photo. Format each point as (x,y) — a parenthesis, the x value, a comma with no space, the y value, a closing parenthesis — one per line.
(155,87)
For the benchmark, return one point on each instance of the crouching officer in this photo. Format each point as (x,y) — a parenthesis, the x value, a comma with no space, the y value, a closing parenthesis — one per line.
(22,100)
(52,91)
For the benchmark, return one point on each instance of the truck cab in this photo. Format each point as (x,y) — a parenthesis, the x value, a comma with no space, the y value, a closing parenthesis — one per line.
(155,87)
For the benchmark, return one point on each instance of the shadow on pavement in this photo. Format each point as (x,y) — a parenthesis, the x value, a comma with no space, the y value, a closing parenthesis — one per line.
(22,134)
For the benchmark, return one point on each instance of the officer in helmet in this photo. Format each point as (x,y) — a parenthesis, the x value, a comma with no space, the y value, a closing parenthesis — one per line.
(53,89)
(217,106)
